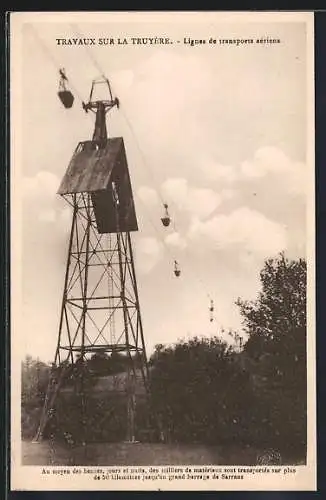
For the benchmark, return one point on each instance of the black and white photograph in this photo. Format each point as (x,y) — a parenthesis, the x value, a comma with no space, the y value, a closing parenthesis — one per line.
(162,251)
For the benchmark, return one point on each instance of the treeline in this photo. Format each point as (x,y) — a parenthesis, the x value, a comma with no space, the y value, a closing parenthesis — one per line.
(35,381)
(205,391)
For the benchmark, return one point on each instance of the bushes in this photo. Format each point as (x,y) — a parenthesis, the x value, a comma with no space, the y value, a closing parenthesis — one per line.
(201,391)
(197,389)
(34,377)
(276,326)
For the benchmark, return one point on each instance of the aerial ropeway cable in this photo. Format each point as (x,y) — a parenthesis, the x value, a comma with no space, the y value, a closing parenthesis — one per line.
(65,95)
(67,99)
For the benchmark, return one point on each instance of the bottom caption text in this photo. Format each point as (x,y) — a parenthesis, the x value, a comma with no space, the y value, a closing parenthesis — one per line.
(169,473)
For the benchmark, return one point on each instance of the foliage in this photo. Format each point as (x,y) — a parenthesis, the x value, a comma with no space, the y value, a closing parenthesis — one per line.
(204,391)
(197,390)
(280,309)
(97,416)
(34,379)
(276,325)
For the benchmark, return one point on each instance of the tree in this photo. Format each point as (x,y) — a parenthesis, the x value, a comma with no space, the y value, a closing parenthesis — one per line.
(34,382)
(34,377)
(276,326)
(99,363)
(198,390)
(281,305)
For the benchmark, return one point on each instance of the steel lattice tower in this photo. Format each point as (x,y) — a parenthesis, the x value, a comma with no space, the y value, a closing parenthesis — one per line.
(100,310)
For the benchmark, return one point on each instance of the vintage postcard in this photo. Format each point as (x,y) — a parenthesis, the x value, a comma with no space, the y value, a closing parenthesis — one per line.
(162,251)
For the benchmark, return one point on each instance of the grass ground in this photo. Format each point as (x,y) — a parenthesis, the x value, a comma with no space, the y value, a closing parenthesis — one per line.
(45,453)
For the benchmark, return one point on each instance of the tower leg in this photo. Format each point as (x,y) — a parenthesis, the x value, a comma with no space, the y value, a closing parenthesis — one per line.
(100,294)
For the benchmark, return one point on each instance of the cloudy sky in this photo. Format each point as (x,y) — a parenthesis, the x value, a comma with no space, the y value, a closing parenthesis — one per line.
(217,132)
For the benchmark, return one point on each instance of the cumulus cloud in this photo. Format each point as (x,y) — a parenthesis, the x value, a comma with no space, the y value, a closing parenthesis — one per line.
(243,229)
(41,202)
(194,132)
(148,195)
(267,162)
(39,196)
(272,161)
(149,252)
(169,88)
(198,201)
(43,185)
(214,171)
(228,194)
(176,240)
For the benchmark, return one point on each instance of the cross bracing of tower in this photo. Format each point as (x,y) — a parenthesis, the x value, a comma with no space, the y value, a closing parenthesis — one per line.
(100,310)
(67,99)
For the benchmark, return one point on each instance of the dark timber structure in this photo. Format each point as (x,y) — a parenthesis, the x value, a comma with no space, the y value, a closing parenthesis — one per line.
(100,310)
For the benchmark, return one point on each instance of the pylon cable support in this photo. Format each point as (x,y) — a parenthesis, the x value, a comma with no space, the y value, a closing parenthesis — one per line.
(143,158)
(123,112)
(142,155)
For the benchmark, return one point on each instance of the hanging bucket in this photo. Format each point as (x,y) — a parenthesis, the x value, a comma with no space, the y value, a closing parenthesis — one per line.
(166,221)
(177,271)
(166,218)
(66,98)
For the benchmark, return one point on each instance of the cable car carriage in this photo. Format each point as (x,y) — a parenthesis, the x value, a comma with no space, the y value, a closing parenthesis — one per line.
(211,312)
(65,96)
(166,218)
(177,271)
